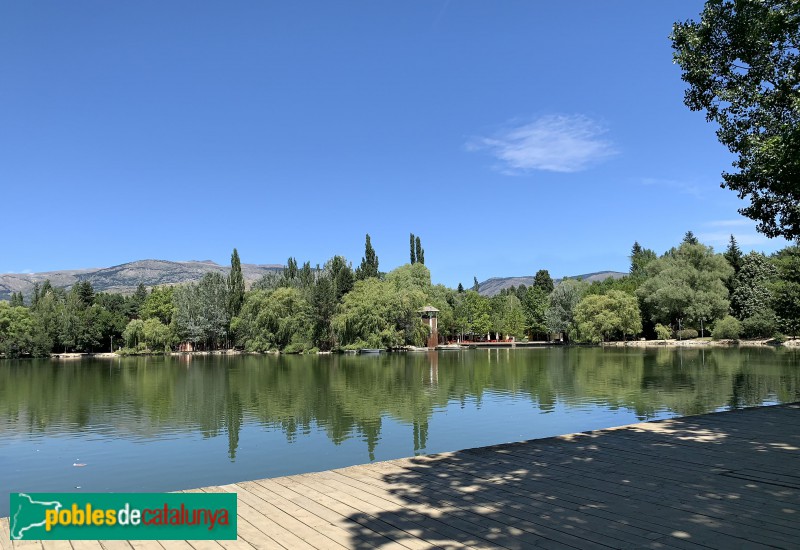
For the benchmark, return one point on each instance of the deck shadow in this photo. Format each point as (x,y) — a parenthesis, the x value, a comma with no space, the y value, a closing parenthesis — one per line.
(724,480)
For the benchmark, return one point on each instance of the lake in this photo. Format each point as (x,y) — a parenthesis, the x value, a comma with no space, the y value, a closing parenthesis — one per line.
(168,423)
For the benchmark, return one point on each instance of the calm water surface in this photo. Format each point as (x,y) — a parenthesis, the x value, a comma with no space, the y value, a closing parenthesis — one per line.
(159,424)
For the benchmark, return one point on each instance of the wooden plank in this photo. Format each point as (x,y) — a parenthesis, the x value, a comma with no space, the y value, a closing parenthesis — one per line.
(604,499)
(629,491)
(252,527)
(374,539)
(475,519)
(175,545)
(5,535)
(310,537)
(396,523)
(372,527)
(338,533)
(667,481)
(86,545)
(206,544)
(570,513)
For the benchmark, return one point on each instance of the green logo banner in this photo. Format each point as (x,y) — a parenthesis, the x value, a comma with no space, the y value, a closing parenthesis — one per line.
(123,516)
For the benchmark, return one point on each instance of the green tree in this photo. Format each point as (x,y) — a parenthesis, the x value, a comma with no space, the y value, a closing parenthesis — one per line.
(687,283)
(475,285)
(138,299)
(322,309)
(341,274)
(159,305)
(306,277)
(662,332)
(17,300)
(420,252)
(460,288)
(47,311)
(274,320)
(507,315)
(369,263)
(534,306)
(543,280)
(595,317)
(201,311)
(640,258)
(412,245)
(134,333)
(235,285)
(382,313)
(734,255)
(727,328)
(689,238)
(751,286)
(598,317)
(560,316)
(740,62)
(17,331)
(478,313)
(157,336)
(85,293)
(786,289)
(290,272)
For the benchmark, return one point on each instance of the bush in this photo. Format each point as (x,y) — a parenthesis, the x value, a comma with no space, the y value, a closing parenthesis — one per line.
(778,339)
(294,347)
(662,332)
(728,328)
(687,334)
(763,324)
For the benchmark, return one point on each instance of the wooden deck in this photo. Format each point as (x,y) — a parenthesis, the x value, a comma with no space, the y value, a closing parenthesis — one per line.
(726,480)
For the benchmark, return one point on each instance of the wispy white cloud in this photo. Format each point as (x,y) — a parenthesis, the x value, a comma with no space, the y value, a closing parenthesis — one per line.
(555,143)
(719,239)
(741,222)
(744,231)
(678,186)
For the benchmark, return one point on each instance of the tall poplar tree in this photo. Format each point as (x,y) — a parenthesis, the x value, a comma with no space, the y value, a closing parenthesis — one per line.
(235,285)
(413,250)
(420,251)
(369,263)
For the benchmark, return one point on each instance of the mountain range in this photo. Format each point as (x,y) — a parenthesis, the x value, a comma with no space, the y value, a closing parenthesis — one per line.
(126,277)
(492,286)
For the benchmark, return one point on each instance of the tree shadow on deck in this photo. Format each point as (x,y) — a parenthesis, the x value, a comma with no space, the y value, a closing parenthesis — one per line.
(726,480)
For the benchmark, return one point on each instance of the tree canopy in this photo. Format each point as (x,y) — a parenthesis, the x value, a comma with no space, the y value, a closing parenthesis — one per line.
(687,283)
(741,64)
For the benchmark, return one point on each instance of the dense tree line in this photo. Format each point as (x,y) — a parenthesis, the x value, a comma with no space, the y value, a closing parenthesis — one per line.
(686,292)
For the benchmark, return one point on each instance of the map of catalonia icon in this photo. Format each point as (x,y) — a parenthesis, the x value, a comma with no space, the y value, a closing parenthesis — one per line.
(123,516)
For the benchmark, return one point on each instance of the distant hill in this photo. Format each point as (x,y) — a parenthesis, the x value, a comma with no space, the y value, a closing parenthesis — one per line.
(492,286)
(126,277)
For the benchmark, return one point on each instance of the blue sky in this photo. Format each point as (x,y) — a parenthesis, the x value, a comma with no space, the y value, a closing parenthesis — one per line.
(511,136)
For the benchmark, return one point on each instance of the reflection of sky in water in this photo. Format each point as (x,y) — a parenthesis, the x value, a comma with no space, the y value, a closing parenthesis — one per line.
(127,446)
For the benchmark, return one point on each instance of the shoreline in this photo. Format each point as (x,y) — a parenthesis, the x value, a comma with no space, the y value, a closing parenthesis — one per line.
(791,343)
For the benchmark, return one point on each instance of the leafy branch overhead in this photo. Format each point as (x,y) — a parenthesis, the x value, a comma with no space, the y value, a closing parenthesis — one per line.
(742,64)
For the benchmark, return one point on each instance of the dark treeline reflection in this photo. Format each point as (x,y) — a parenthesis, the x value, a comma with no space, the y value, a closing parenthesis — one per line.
(348,396)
